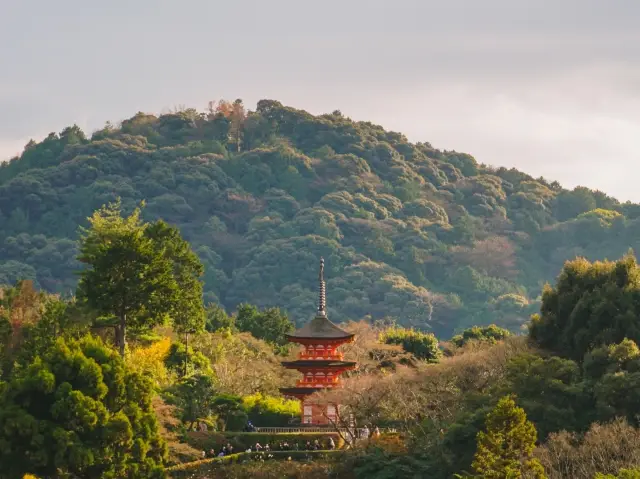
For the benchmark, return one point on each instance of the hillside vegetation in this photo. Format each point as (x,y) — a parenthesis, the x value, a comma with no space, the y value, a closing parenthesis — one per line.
(430,238)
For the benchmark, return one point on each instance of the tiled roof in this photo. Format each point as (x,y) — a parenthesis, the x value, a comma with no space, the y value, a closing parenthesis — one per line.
(320,327)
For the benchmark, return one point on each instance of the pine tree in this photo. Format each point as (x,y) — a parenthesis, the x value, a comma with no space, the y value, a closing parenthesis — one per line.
(505,449)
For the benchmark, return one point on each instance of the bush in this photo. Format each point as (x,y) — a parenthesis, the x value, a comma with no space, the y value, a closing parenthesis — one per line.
(270,411)
(421,345)
(490,334)
(205,466)
(278,470)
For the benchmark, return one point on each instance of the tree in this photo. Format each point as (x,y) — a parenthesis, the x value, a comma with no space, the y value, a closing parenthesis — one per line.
(138,275)
(505,448)
(31,321)
(421,345)
(269,324)
(591,305)
(78,412)
(217,318)
(606,448)
(188,313)
(495,256)
(230,412)
(491,334)
(194,396)
(566,405)
(569,204)
(180,355)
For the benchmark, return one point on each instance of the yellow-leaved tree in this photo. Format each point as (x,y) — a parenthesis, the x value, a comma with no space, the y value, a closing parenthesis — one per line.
(149,361)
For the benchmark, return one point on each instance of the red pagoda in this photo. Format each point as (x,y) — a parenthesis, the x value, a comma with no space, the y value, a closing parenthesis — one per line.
(320,362)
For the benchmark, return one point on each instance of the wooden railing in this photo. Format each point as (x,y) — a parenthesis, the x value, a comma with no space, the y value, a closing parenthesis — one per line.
(324,382)
(312,357)
(297,430)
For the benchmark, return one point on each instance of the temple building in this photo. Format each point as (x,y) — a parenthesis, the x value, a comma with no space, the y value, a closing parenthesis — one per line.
(320,362)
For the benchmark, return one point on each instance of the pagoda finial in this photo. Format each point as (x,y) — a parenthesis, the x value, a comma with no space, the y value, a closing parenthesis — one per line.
(322,297)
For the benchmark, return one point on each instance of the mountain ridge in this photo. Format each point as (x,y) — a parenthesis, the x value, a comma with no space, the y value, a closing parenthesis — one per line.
(428,237)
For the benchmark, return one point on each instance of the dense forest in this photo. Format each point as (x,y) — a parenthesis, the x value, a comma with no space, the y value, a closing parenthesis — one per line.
(427,238)
(152,273)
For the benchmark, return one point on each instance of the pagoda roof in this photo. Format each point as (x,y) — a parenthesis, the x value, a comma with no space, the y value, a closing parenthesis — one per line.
(318,363)
(300,391)
(320,328)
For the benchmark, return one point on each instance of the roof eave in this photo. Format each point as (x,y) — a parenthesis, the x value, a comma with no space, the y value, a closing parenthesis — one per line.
(291,336)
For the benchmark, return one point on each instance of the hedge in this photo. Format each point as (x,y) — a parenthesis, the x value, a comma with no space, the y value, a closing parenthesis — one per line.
(193,469)
(241,441)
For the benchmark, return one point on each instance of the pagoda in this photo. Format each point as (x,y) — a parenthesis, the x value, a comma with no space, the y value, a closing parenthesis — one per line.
(320,363)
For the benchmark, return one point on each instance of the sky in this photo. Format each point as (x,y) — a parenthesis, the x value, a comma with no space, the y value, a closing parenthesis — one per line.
(549,87)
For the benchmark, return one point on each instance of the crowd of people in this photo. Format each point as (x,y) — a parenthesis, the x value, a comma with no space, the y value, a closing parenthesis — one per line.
(281,446)
(329,444)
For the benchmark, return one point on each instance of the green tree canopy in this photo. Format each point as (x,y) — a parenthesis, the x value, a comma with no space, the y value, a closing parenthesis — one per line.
(217,318)
(491,333)
(421,345)
(77,410)
(194,396)
(269,324)
(592,304)
(138,275)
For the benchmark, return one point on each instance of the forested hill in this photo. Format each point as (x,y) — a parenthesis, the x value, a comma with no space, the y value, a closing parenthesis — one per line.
(428,237)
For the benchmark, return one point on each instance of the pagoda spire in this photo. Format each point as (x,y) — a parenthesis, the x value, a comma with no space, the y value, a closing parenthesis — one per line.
(322,293)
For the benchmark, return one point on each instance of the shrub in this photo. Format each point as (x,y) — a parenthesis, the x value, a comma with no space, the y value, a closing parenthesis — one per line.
(205,466)
(489,334)
(421,345)
(270,411)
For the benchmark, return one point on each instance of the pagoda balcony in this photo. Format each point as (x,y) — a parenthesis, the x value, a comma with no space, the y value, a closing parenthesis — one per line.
(318,383)
(320,356)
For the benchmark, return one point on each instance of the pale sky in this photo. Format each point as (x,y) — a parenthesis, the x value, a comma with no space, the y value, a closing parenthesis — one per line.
(550,87)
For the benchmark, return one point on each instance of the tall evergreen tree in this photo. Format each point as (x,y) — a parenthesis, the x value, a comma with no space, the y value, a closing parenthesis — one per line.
(139,275)
(505,448)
